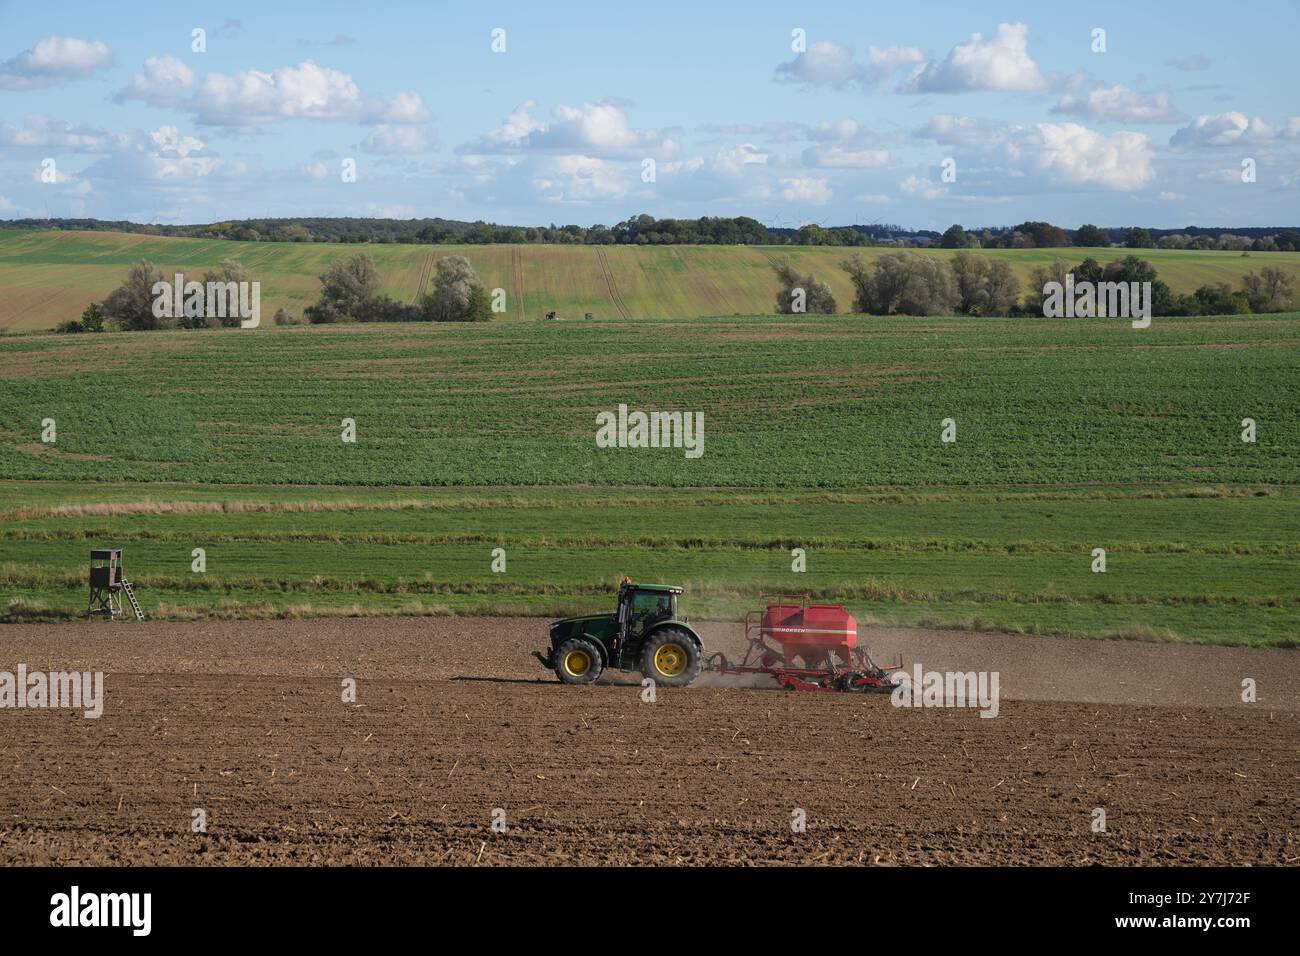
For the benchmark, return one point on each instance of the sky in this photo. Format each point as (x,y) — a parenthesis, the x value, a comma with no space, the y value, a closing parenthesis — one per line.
(1163,114)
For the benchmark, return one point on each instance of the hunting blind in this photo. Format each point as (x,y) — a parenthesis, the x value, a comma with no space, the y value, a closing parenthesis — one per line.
(108,583)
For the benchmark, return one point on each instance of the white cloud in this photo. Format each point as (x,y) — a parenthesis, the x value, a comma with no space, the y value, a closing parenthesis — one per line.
(1000,64)
(389,139)
(883,63)
(841,157)
(826,63)
(54,61)
(963,131)
(805,189)
(1119,104)
(733,161)
(168,140)
(577,178)
(1075,155)
(6,205)
(253,98)
(1232,129)
(41,132)
(593,129)
(923,188)
(162,81)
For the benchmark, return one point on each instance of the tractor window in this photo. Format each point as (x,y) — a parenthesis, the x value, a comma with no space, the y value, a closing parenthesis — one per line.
(650,607)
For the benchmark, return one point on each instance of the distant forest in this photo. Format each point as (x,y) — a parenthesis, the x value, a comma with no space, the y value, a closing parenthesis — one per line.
(707,230)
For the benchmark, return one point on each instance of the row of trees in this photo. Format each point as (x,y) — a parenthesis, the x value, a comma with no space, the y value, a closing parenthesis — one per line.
(908,283)
(911,283)
(130,307)
(349,293)
(1043,235)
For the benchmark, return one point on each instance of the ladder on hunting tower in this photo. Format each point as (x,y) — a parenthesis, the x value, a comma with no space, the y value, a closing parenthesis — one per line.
(108,583)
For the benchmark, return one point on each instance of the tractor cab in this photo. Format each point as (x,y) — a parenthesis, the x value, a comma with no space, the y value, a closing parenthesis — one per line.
(641,607)
(644,633)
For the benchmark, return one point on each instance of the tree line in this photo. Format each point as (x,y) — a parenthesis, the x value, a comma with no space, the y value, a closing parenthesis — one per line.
(707,230)
(911,283)
(349,293)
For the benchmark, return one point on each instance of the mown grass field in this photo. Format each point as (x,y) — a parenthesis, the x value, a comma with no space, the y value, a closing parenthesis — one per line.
(1201,565)
(47,277)
(822,434)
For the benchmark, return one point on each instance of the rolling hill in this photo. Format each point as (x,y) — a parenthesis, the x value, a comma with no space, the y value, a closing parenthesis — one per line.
(47,277)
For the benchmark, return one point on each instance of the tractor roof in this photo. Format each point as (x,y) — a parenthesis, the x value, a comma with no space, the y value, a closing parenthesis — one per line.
(666,588)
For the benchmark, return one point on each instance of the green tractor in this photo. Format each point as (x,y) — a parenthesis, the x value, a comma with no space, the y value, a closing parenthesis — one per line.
(644,634)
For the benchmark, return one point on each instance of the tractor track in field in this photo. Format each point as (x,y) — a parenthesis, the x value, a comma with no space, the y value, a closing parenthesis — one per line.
(452,719)
(426,271)
(610,285)
(517,262)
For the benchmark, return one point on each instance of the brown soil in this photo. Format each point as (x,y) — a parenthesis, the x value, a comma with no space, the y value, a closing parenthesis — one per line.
(245,720)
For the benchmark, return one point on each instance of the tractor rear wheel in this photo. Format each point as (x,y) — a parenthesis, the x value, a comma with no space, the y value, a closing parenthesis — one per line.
(671,657)
(577,661)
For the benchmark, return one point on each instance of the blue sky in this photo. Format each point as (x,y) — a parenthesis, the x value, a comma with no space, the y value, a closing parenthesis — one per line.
(586,100)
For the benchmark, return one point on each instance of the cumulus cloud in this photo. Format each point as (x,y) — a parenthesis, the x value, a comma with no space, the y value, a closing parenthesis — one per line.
(785,131)
(1119,104)
(576,178)
(168,140)
(826,63)
(1232,129)
(390,139)
(593,129)
(1062,154)
(963,131)
(999,64)
(306,91)
(54,61)
(923,188)
(845,158)
(163,81)
(253,98)
(1074,155)
(41,132)
(810,189)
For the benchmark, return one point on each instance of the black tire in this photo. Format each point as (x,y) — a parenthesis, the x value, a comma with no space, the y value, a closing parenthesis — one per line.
(671,657)
(569,657)
(847,686)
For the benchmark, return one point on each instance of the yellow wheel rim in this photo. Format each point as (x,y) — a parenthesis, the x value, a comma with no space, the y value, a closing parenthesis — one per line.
(670,660)
(577,663)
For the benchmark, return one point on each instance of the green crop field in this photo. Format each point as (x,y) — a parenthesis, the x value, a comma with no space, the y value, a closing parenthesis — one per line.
(819,433)
(47,277)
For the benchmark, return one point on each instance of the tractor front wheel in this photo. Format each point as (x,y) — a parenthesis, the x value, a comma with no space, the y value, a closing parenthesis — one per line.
(577,661)
(671,657)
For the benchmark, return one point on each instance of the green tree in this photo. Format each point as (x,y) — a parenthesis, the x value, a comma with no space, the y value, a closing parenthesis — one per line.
(815,296)
(458,294)
(1090,235)
(349,288)
(130,305)
(955,237)
(1135,237)
(92,319)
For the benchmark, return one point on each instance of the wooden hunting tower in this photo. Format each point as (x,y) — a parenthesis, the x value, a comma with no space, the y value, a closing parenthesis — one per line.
(108,583)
